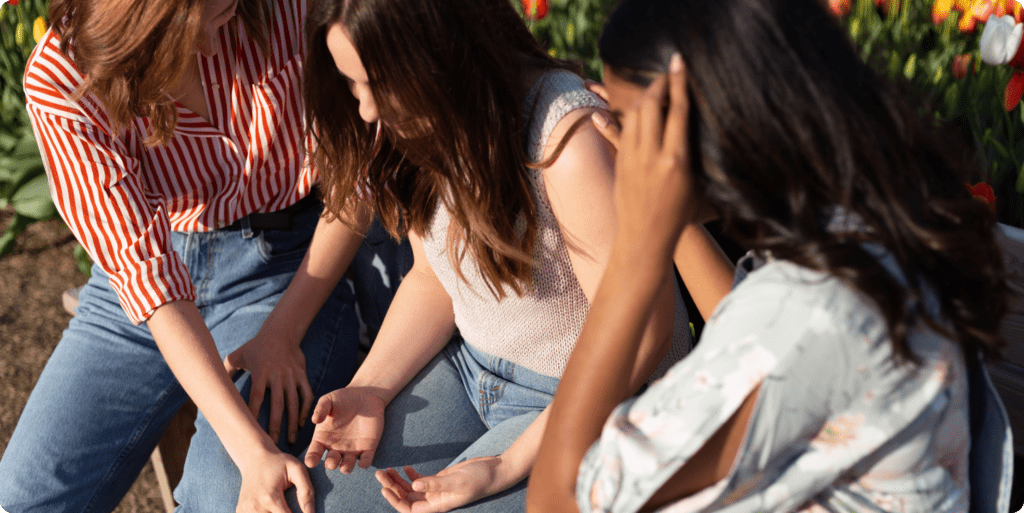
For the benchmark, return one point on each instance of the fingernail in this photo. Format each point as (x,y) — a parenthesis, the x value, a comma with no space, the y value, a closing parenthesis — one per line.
(676,64)
(599,119)
(418,486)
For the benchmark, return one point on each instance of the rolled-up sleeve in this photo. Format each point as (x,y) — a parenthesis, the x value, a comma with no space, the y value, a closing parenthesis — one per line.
(96,187)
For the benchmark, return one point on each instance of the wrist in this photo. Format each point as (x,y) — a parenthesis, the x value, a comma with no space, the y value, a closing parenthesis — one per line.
(507,473)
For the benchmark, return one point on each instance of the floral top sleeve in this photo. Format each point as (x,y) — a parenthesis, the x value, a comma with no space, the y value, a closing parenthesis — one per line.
(837,426)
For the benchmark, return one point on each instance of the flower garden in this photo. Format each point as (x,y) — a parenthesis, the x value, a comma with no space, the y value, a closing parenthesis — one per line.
(966,68)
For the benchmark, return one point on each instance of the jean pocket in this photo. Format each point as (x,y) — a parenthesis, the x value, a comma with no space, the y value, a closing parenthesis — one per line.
(491,388)
(283,245)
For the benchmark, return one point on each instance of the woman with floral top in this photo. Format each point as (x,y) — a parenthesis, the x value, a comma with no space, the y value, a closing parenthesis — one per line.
(842,371)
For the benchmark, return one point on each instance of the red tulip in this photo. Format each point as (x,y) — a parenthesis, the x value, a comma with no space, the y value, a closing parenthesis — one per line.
(961,65)
(983,192)
(12,2)
(1014,90)
(535,9)
(839,7)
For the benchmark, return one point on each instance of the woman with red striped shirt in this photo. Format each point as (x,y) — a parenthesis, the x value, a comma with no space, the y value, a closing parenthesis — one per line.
(172,135)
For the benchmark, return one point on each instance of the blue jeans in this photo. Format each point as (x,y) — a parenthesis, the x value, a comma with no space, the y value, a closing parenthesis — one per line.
(463,404)
(106,394)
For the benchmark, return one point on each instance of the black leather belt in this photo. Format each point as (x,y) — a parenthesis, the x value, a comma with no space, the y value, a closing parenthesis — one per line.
(279,220)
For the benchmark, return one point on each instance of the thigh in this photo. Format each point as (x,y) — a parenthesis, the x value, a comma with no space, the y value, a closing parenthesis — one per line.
(98,409)
(427,425)
(211,481)
(494,442)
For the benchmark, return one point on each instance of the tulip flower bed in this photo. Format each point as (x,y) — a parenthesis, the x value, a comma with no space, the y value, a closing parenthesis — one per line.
(23,187)
(962,56)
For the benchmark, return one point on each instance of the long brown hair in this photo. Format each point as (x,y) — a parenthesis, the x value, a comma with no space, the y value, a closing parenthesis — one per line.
(133,52)
(452,71)
(788,124)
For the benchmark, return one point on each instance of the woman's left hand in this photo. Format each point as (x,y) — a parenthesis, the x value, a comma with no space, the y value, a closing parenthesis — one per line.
(451,488)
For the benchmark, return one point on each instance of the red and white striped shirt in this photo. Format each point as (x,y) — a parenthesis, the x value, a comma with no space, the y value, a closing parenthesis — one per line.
(122,199)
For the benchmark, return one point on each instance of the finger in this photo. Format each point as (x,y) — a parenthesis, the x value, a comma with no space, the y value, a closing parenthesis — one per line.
(607,127)
(234,362)
(256,394)
(597,88)
(396,478)
(395,501)
(293,410)
(303,487)
(348,462)
(307,399)
(333,460)
(322,410)
(314,453)
(366,459)
(679,106)
(411,472)
(651,124)
(430,485)
(276,410)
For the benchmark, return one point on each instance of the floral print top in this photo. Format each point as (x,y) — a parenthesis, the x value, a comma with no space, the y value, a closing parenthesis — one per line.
(838,424)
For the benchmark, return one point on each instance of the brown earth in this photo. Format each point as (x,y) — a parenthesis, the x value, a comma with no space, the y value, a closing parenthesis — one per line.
(32,279)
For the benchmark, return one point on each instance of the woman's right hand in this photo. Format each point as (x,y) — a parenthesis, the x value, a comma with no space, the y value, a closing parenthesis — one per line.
(266,477)
(349,422)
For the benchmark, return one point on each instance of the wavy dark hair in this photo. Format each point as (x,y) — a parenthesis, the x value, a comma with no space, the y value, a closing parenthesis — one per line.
(133,52)
(455,68)
(787,123)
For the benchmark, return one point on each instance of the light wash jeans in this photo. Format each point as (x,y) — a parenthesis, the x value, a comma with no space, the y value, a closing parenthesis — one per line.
(462,405)
(106,394)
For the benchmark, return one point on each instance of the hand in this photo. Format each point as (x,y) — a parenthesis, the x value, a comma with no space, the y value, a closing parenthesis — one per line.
(451,488)
(349,423)
(654,194)
(264,481)
(276,363)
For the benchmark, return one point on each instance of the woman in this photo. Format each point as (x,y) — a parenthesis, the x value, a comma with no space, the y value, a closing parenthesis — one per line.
(836,375)
(172,136)
(481,151)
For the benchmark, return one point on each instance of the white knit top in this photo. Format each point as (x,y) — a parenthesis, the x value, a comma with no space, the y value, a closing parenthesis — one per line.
(539,329)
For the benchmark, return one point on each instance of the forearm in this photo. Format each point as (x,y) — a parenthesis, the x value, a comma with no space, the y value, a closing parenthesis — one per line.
(330,252)
(188,347)
(419,323)
(706,271)
(614,333)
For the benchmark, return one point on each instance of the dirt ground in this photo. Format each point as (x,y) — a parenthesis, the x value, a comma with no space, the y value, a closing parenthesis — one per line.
(32,280)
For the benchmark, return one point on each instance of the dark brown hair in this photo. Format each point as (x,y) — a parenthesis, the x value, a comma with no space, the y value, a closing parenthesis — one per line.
(452,71)
(133,52)
(788,124)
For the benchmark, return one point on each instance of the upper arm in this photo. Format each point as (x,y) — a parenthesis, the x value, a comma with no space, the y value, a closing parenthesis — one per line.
(95,184)
(579,186)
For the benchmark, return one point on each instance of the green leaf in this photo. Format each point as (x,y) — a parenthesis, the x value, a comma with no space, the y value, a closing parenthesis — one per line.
(33,199)
(17,225)
(27,146)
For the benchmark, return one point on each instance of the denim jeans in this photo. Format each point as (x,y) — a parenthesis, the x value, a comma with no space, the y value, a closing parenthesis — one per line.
(106,394)
(463,404)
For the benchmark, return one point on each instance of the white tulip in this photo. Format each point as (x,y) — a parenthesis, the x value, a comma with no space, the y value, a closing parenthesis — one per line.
(1000,39)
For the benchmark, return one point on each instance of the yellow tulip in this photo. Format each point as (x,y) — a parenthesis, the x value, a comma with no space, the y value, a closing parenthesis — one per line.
(19,34)
(940,11)
(38,28)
